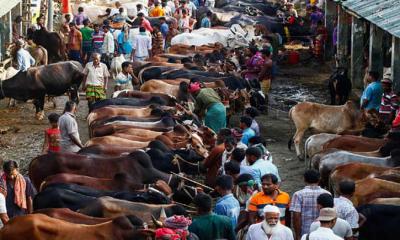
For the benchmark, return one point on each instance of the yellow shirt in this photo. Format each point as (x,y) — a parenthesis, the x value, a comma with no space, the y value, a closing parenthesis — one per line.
(157,12)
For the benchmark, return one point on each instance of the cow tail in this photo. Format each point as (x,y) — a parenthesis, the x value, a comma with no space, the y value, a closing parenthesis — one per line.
(290,142)
(305,154)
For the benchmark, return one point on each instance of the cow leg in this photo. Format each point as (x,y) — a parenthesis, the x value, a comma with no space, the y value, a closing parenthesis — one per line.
(39,105)
(297,140)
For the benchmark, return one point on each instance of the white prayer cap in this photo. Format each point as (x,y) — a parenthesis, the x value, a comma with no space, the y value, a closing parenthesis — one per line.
(271,209)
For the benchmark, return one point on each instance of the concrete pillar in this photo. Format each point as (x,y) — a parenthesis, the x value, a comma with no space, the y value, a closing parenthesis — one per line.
(50,18)
(396,63)
(375,49)
(357,52)
(10,26)
(330,17)
(343,37)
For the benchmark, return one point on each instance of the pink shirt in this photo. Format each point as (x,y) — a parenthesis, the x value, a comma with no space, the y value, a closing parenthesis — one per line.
(146,24)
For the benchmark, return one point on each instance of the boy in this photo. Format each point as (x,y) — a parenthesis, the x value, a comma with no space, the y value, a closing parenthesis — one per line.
(52,135)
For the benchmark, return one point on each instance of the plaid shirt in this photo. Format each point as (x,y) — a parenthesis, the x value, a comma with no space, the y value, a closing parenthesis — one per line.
(345,210)
(305,202)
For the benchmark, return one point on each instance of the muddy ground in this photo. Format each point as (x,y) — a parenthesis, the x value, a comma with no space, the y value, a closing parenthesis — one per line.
(21,135)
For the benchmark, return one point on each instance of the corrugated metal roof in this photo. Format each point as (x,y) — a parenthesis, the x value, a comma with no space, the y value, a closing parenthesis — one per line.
(7,5)
(383,13)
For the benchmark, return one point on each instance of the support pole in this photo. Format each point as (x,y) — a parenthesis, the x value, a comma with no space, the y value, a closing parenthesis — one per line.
(50,18)
(330,17)
(375,50)
(357,52)
(343,38)
(10,27)
(396,63)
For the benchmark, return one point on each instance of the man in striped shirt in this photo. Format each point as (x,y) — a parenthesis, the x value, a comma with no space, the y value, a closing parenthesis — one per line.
(389,102)
(97,39)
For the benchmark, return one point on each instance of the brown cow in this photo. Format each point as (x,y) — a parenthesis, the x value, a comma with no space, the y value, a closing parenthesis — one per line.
(111,207)
(159,86)
(324,119)
(70,216)
(370,188)
(113,140)
(137,166)
(106,150)
(354,143)
(386,201)
(42,227)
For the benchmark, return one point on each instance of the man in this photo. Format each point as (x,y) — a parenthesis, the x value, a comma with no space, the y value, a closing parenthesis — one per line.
(97,39)
(343,205)
(372,95)
(18,191)
(108,47)
(80,17)
(227,205)
(178,11)
(157,41)
(245,187)
(209,105)
(141,46)
(192,9)
(265,74)
(270,227)
(304,203)
(209,225)
(16,34)
(24,58)
(389,102)
(3,209)
(167,9)
(157,11)
(123,81)
(327,219)
(259,165)
(341,228)
(270,195)
(206,21)
(184,22)
(144,22)
(86,32)
(69,141)
(74,43)
(248,132)
(141,9)
(96,80)
(164,28)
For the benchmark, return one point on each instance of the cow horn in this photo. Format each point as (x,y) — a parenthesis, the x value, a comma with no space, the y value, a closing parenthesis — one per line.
(156,223)
(163,215)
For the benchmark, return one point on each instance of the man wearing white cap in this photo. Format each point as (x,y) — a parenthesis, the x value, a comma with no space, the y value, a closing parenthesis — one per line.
(24,58)
(327,218)
(270,228)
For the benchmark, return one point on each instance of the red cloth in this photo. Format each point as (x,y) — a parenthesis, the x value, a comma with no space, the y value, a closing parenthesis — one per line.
(146,24)
(53,135)
(396,121)
(19,190)
(194,87)
(65,6)
(167,233)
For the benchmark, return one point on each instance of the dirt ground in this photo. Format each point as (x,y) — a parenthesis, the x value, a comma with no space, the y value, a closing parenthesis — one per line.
(21,135)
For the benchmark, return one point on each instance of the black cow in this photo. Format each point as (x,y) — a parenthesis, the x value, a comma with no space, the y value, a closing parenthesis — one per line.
(138,102)
(339,87)
(381,222)
(51,41)
(53,80)
(74,197)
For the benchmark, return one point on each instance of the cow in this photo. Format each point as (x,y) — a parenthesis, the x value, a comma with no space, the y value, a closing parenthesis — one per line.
(379,222)
(106,150)
(339,86)
(72,196)
(52,42)
(113,140)
(135,102)
(332,160)
(324,119)
(42,227)
(70,216)
(386,201)
(137,166)
(111,207)
(115,66)
(36,82)
(314,144)
(354,143)
(370,188)
(170,100)
(180,92)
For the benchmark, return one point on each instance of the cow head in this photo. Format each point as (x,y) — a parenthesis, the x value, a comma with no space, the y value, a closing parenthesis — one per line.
(198,146)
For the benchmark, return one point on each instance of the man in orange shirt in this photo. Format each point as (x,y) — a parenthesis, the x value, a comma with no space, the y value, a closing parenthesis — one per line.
(157,11)
(270,195)
(74,43)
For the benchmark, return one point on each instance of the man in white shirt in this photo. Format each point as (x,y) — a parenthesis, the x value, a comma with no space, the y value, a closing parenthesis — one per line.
(24,58)
(343,205)
(3,210)
(108,47)
(141,46)
(327,218)
(96,79)
(341,228)
(270,228)
(69,133)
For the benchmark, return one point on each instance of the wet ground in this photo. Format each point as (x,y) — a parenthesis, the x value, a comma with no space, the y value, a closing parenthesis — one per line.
(21,135)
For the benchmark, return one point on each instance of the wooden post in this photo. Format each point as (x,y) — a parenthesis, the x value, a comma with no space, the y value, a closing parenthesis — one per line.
(10,26)
(330,18)
(375,50)
(396,63)
(357,52)
(343,37)
(50,16)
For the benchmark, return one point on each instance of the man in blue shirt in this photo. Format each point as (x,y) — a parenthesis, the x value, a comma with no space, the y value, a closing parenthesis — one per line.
(206,21)
(259,165)
(245,125)
(227,205)
(24,58)
(372,95)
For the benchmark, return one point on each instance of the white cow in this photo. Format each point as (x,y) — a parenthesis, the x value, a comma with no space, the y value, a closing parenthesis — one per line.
(115,66)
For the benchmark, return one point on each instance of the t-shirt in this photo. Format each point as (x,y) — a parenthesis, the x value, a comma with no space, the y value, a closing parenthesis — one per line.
(373,93)
(96,75)
(213,226)
(228,206)
(97,39)
(53,136)
(164,29)
(68,125)
(3,208)
(341,228)
(86,33)
(205,23)
(262,167)
(260,200)
(124,81)
(247,134)
(142,45)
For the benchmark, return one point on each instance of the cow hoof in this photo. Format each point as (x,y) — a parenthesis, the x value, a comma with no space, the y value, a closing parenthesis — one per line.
(40,116)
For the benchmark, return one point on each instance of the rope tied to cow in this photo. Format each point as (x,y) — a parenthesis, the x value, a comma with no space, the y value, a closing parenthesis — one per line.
(178,158)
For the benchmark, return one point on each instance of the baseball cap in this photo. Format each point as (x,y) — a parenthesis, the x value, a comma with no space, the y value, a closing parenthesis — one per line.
(327,214)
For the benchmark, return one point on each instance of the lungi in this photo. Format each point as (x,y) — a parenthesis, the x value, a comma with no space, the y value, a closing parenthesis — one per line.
(95,93)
